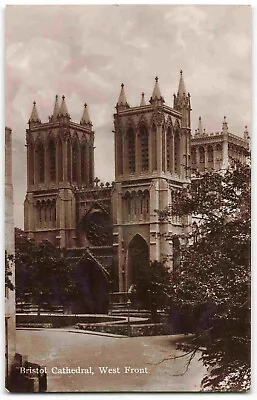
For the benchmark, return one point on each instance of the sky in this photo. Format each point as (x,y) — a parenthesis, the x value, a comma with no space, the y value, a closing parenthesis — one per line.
(85,52)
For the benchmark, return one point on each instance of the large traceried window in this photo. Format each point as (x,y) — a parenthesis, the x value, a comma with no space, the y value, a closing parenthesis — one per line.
(52,161)
(144,155)
(41,162)
(131,147)
(154,147)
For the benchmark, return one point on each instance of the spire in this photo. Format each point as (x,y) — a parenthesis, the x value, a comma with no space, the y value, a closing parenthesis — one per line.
(156,92)
(224,125)
(56,110)
(142,99)
(182,102)
(181,85)
(200,126)
(85,120)
(34,118)
(156,89)
(63,112)
(122,101)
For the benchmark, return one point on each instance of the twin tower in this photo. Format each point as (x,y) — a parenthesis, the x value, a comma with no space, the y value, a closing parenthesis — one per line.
(114,224)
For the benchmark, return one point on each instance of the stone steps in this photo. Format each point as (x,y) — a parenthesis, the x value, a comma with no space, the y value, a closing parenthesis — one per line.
(26,307)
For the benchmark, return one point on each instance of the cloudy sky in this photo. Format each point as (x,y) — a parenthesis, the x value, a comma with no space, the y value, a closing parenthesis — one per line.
(85,52)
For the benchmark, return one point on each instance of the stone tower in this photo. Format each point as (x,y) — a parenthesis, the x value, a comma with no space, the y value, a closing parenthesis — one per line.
(60,156)
(152,156)
(217,150)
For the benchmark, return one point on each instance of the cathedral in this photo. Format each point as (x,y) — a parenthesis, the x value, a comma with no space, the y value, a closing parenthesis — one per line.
(117,224)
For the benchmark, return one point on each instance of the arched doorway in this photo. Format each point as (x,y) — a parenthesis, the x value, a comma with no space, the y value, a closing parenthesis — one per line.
(92,284)
(138,258)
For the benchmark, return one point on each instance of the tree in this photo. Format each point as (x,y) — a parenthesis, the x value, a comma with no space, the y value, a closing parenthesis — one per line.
(152,287)
(9,259)
(43,274)
(213,280)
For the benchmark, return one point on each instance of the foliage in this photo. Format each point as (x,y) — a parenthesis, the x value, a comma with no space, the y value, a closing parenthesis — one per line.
(43,274)
(9,260)
(214,275)
(153,286)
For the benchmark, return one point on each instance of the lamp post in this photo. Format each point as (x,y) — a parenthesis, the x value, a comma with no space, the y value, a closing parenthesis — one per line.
(129,327)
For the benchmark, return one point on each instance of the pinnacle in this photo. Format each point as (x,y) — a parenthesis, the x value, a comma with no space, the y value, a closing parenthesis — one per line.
(143,100)
(156,90)
(122,101)
(225,125)
(224,121)
(56,109)
(181,85)
(63,109)
(34,114)
(85,120)
(200,126)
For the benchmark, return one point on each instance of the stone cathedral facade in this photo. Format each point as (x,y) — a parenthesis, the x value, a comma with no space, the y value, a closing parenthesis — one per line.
(116,223)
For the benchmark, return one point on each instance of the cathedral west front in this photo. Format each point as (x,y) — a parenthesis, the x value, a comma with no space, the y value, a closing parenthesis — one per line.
(116,224)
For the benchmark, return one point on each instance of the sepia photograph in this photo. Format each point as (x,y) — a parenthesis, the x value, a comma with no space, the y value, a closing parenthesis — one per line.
(127,198)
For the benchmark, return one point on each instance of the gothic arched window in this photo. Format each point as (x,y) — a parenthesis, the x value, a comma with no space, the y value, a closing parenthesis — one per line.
(145,211)
(75,162)
(131,146)
(129,205)
(91,166)
(210,153)
(83,163)
(177,152)
(31,164)
(176,257)
(54,211)
(41,162)
(201,155)
(60,161)
(219,152)
(163,148)
(39,216)
(193,155)
(119,154)
(144,155)
(52,161)
(168,145)
(69,161)
(154,147)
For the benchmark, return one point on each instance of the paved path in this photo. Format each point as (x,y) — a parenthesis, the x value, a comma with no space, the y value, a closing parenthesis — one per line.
(60,349)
